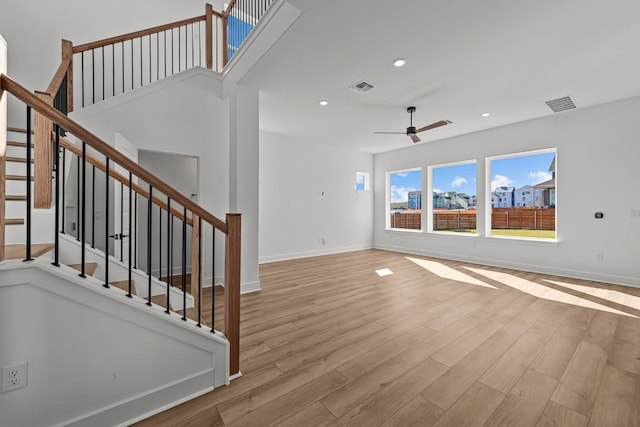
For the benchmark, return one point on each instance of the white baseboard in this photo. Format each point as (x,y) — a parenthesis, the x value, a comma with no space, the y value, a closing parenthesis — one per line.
(309,254)
(144,405)
(534,268)
(249,287)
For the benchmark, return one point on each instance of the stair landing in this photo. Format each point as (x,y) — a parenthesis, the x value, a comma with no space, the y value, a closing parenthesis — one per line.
(20,251)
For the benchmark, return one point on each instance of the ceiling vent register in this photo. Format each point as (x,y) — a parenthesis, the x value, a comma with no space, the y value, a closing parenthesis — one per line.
(362,87)
(561,104)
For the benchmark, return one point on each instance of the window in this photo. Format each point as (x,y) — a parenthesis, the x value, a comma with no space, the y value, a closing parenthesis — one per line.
(454,196)
(530,179)
(362,181)
(404,199)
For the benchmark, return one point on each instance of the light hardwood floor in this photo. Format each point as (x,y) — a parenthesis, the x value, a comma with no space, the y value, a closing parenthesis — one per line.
(328,342)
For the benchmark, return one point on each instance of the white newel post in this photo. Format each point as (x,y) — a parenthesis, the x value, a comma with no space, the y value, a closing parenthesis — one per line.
(3,141)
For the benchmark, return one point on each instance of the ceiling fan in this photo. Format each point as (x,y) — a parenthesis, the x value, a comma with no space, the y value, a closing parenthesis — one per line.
(411,130)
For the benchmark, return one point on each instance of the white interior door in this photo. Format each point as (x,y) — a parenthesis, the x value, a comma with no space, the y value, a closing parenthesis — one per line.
(121,214)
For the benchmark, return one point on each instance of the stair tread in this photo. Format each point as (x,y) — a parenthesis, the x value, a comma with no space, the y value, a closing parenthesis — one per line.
(15,198)
(17,178)
(18,144)
(124,285)
(17,130)
(17,159)
(14,221)
(89,267)
(20,251)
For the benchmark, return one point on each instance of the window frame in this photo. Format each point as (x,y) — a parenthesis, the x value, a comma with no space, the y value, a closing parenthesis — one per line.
(488,232)
(430,209)
(387,208)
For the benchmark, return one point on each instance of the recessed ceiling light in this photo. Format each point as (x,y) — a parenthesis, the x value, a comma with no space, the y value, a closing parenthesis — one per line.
(487,114)
(399,62)
(324,103)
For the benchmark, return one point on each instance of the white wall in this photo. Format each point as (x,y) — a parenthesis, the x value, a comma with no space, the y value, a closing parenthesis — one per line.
(92,353)
(181,172)
(244,153)
(597,156)
(182,115)
(307,192)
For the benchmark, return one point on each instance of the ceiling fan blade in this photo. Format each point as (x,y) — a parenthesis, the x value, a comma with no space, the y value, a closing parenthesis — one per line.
(434,125)
(414,138)
(389,133)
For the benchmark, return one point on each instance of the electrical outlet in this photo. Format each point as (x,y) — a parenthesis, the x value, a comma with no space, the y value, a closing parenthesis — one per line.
(14,377)
(600,257)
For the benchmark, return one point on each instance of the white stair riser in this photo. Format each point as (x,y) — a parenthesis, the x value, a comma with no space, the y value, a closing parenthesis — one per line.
(15,209)
(16,168)
(17,188)
(41,229)
(13,151)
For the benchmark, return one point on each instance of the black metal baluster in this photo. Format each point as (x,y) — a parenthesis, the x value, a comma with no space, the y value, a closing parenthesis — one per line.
(113,69)
(28,212)
(130,282)
(184,265)
(82,73)
(122,43)
(135,230)
(132,64)
(78,200)
(149,58)
(200,270)
(160,243)
(172,58)
(168,252)
(121,221)
(64,186)
(93,208)
(56,253)
(84,208)
(213,277)
(103,84)
(106,224)
(149,259)
(93,76)
(141,73)
(157,56)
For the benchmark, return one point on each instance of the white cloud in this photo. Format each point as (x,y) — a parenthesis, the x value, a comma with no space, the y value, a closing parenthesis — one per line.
(501,181)
(458,181)
(437,190)
(402,174)
(400,194)
(539,176)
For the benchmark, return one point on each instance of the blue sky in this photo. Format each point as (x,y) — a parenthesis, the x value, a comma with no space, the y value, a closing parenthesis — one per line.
(514,171)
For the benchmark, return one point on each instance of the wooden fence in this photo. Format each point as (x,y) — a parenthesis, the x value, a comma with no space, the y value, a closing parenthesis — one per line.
(501,218)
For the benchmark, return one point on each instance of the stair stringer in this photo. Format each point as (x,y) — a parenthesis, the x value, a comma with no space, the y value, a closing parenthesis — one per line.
(70,254)
(108,359)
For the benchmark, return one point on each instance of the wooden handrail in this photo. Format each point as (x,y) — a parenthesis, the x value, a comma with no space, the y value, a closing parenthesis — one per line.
(230,8)
(56,82)
(122,179)
(136,34)
(102,147)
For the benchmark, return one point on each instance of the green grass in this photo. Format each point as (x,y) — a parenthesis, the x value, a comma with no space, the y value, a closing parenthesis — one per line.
(537,234)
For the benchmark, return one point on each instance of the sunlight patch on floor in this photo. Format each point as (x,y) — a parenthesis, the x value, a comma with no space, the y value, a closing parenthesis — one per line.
(544,292)
(384,272)
(607,294)
(448,273)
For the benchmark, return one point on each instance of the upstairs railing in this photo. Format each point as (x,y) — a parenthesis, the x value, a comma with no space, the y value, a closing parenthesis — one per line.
(138,183)
(95,71)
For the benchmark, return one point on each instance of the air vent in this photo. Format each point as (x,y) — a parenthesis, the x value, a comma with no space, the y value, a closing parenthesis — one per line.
(561,104)
(362,87)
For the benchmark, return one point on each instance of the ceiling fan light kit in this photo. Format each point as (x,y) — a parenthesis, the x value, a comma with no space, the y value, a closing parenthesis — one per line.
(412,131)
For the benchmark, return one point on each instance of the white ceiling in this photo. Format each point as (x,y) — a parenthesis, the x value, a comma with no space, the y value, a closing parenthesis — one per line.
(463,58)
